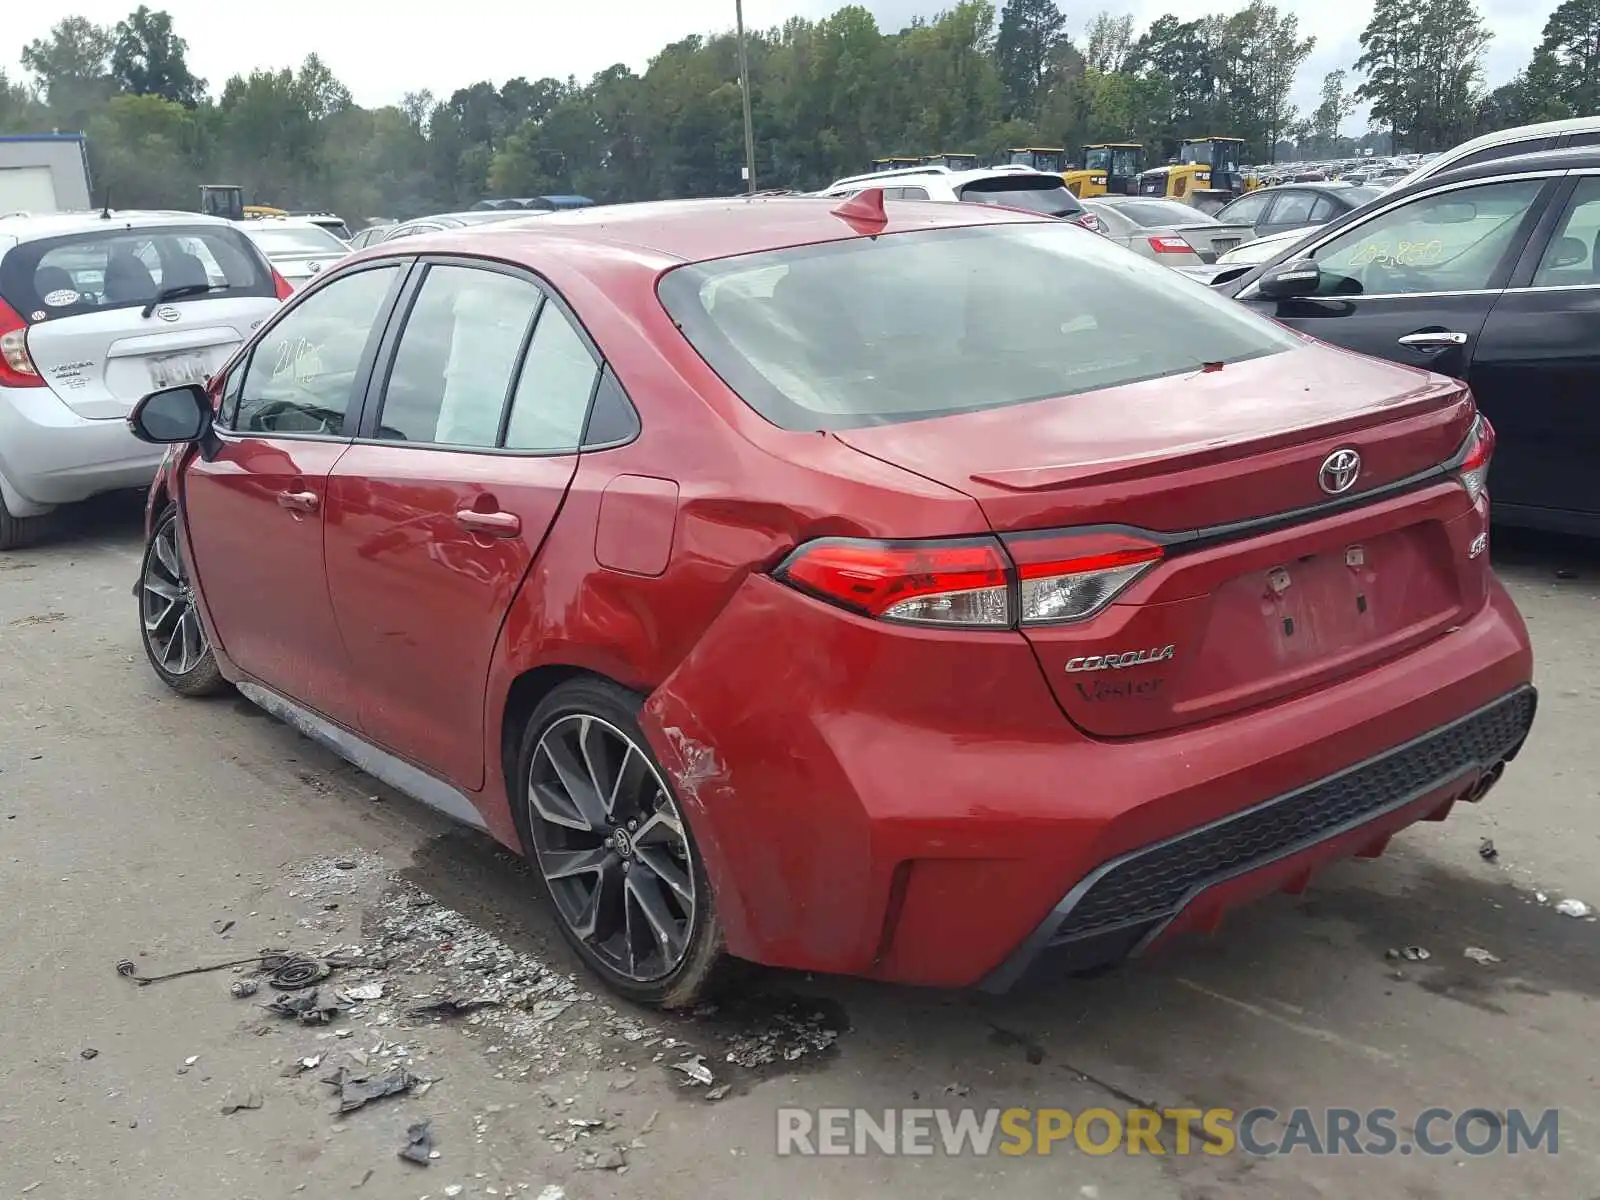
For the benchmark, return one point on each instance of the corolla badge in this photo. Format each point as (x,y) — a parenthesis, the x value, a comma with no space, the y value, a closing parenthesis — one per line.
(1119,661)
(167,313)
(1339,471)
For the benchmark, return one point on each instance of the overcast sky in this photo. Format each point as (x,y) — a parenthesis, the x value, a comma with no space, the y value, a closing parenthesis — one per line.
(381,53)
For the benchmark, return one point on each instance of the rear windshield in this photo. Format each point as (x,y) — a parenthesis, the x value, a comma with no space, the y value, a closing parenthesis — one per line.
(297,239)
(121,268)
(873,331)
(1042,194)
(1163,212)
(1357,196)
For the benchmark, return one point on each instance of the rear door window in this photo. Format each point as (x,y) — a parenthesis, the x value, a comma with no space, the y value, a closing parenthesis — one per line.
(1292,208)
(457,358)
(553,394)
(1570,259)
(1324,210)
(121,268)
(1247,210)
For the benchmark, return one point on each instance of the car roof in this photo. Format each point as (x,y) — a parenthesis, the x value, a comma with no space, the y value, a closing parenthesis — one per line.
(669,232)
(954,179)
(17,228)
(280,223)
(1569,159)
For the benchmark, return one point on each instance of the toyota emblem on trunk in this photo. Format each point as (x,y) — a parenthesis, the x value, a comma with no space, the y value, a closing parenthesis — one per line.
(1339,471)
(167,313)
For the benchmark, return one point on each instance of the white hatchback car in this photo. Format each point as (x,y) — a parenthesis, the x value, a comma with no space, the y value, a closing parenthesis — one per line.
(1006,186)
(95,311)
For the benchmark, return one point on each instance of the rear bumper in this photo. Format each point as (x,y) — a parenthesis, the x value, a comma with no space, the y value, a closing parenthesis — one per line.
(911,805)
(1133,901)
(49,455)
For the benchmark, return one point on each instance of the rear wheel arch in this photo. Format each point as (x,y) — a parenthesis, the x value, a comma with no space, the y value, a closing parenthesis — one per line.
(526,693)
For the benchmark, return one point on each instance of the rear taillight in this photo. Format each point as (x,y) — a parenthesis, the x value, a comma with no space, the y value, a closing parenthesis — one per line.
(1070,576)
(16,364)
(1045,579)
(1473,471)
(932,583)
(282,286)
(1167,244)
(1089,221)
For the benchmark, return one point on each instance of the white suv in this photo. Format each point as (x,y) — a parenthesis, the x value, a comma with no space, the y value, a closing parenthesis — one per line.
(1008,186)
(96,309)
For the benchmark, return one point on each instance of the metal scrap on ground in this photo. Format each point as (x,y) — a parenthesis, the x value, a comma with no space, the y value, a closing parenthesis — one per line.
(356,1091)
(419,1144)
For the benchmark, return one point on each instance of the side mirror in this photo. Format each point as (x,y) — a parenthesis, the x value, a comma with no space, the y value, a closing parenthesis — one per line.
(172,415)
(1285,280)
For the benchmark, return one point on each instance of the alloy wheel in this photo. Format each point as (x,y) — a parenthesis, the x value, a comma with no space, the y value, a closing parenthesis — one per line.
(612,847)
(172,627)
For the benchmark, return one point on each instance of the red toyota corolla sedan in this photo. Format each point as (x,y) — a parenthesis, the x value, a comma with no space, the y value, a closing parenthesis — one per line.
(925,592)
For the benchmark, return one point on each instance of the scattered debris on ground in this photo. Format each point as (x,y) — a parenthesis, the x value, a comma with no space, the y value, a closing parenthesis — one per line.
(309,1008)
(1487,851)
(1481,956)
(419,1144)
(239,1102)
(88,1053)
(240,989)
(451,1007)
(356,1091)
(1408,954)
(1573,907)
(696,1070)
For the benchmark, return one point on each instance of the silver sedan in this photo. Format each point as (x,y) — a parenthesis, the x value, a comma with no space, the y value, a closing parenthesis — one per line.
(1174,234)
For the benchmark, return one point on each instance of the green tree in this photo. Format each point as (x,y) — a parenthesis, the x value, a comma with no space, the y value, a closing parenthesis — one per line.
(148,59)
(1030,30)
(1333,106)
(1262,52)
(1423,61)
(1453,42)
(72,68)
(1572,44)
(1108,42)
(1186,55)
(146,151)
(20,109)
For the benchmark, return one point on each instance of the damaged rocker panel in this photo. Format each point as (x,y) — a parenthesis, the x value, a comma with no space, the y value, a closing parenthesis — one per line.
(379,763)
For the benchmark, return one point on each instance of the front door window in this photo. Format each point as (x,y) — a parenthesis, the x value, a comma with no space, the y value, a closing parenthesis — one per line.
(1450,241)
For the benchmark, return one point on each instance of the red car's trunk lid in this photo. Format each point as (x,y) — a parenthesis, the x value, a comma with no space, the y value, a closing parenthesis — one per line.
(1237,613)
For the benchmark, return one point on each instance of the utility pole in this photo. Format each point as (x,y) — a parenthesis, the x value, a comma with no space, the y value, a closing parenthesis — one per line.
(744,90)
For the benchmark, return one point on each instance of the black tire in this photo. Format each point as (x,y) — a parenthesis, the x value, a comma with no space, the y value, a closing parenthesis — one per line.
(18,533)
(177,629)
(597,708)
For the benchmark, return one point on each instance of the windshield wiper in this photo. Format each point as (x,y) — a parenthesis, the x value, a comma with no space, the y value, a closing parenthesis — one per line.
(179,292)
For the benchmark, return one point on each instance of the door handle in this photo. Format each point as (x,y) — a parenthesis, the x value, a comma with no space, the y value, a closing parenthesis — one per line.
(1434,340)
(489,524)
(305,502)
